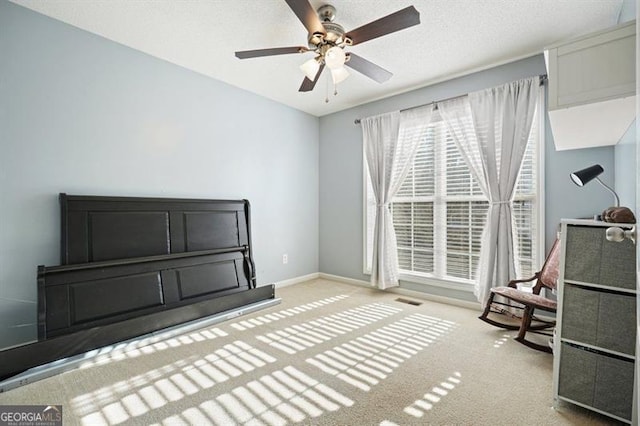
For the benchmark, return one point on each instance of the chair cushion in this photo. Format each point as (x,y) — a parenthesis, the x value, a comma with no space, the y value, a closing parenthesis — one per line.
(525,298)
(551,269)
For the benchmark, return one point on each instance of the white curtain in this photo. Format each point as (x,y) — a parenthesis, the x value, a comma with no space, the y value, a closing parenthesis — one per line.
(491,128)
(391,142)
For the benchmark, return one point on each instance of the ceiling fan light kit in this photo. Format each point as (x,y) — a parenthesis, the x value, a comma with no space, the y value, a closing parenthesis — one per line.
(327,40)
(310,68)
(335,57)
(339,75)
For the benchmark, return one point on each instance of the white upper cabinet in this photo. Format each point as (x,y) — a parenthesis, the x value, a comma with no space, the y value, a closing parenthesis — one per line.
(592,87)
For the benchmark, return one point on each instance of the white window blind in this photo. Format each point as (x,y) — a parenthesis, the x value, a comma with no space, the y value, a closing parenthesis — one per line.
(440,211)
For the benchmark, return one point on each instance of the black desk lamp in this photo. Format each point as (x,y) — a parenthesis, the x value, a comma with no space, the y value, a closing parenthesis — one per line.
(584,176)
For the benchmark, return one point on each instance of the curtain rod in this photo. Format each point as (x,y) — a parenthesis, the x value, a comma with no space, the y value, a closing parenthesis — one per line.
(543,79)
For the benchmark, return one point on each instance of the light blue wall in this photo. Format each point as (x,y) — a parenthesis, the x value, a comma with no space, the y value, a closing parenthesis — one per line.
(341,168)
(627,11)
(83,115)
(626,169)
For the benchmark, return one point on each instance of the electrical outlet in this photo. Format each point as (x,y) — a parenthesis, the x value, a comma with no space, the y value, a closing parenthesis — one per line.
(285,259)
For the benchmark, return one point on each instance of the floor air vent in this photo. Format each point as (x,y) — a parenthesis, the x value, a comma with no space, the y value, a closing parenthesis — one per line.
(408,302)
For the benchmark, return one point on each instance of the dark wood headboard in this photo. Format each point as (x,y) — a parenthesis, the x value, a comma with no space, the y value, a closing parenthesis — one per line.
(96,228)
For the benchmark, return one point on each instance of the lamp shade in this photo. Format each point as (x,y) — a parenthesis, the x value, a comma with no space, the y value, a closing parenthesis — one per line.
(339,75)
(335,57)
(310,68)
(581,177)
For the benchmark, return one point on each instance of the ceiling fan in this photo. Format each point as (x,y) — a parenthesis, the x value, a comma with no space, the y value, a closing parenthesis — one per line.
(327,39)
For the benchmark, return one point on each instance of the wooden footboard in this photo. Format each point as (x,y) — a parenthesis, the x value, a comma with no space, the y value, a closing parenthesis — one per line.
(76,297)
(16,360)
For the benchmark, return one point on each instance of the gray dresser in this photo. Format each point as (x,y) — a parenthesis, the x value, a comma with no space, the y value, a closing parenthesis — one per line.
(594,348)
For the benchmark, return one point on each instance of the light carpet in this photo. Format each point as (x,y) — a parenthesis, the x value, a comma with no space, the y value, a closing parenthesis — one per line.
(329,354)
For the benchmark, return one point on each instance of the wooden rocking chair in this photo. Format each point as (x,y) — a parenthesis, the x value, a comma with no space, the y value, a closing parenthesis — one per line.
(528,302)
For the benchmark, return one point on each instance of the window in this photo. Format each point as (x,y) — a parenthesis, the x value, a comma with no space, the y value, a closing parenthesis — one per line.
(439,212)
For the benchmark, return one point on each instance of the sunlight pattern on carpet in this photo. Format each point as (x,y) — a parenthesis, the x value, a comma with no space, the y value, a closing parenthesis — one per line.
(427,402)
(126,399)
(282,397)
(234,381)
(501,341)
(285,313)
(123,352)
(366,360)
(308,334)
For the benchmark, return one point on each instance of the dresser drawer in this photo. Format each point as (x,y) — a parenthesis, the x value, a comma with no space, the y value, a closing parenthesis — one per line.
(597,380)
(590,258)
(599,318)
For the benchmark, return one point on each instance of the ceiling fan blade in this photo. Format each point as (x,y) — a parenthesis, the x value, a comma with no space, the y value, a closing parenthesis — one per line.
(308,85)
(397,21)
(307,15)
(246,54)
(367,68)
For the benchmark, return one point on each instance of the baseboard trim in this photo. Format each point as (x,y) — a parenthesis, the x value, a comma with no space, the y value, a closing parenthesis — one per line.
(297,280)
(411,293)
(345,280)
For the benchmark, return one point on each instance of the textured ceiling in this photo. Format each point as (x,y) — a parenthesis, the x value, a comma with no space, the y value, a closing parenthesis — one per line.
(455,37)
